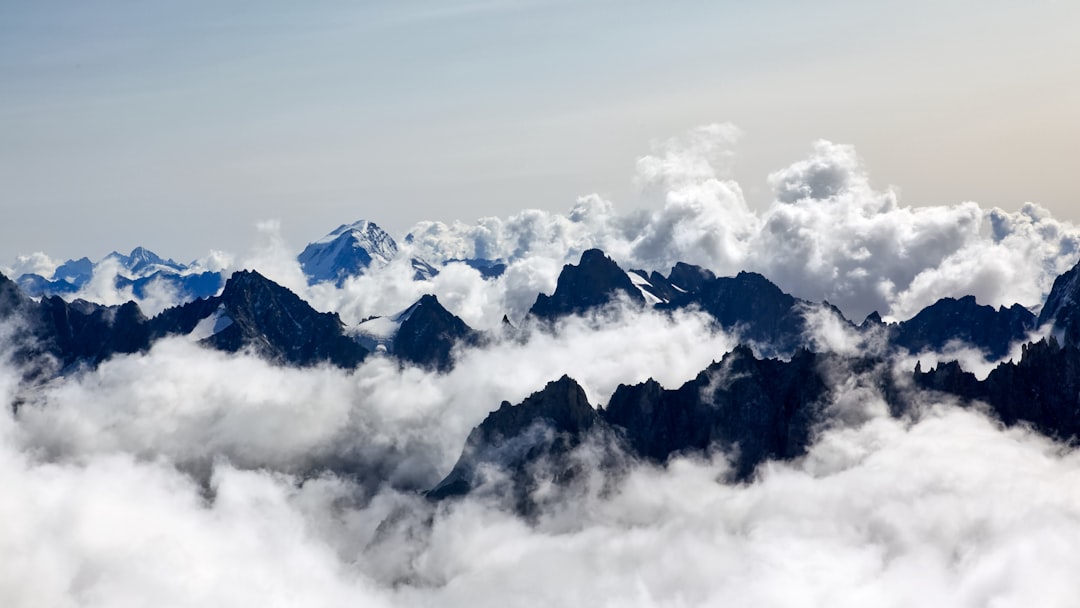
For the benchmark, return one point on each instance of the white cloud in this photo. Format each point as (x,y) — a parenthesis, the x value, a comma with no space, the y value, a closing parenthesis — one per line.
(33,263)
(944,509)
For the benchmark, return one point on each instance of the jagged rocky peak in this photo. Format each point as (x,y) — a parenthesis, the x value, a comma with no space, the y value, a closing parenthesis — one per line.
(12,299)
(348,251)
(991,330)
(683,279)
(257,313)
(1062,307)
(562,403)
(547,425)
(761,408)
(244,285)
(688,277)
(872,320)
(748,302)
(428,334)
(1042,389)
(137,271)
(142,261)
(75,272)
(595,281)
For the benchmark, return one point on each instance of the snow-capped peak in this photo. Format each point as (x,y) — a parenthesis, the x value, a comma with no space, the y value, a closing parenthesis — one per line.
(347,251)
(143,262)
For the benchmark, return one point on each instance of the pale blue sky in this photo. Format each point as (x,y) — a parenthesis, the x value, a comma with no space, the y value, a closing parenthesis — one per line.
(177,125)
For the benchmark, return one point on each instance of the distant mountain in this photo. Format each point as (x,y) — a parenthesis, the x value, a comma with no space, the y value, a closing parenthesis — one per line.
(187,286)
(349,251)
(36,285)
(75,272)
(489,269)
(138,271)
(142,262)
(423,271)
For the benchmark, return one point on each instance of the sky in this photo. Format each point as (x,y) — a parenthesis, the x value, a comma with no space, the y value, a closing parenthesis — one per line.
(179,125)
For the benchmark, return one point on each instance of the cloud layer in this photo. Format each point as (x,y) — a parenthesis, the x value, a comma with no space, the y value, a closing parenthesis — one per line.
(986,517)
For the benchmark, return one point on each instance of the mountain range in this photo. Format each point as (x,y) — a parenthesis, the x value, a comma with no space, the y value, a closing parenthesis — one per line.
(762,401)
(348,251)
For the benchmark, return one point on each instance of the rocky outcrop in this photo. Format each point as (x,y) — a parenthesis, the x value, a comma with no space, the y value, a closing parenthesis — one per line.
(594,282)
(991,330)
(429,333)
(258,314)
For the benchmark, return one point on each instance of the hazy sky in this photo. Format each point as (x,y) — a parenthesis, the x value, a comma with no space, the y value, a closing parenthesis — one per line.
(177,125)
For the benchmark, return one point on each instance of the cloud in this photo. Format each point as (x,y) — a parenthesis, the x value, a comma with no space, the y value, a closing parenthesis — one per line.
(185,476)
(943,508)
(404,425)
(829,234)
(33,263)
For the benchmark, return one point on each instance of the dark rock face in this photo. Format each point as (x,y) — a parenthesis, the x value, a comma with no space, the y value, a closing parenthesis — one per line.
(429,333)
(70,333)
(1062,307)
(594,282)
(268,318)
(991,330)
(1043,389)
(758,409)
(544,428)
(81,331)
(764,408)
(683,279)
(261,315)
(748,301)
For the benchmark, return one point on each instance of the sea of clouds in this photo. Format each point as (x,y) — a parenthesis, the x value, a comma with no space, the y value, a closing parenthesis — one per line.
(184,476)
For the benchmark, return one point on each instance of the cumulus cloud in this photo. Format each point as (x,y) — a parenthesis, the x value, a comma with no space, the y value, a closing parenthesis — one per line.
(33,263)
(828,235)
(985,517)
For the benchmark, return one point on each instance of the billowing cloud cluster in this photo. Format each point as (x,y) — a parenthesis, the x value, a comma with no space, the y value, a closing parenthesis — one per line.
(828,235)
(104,508)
